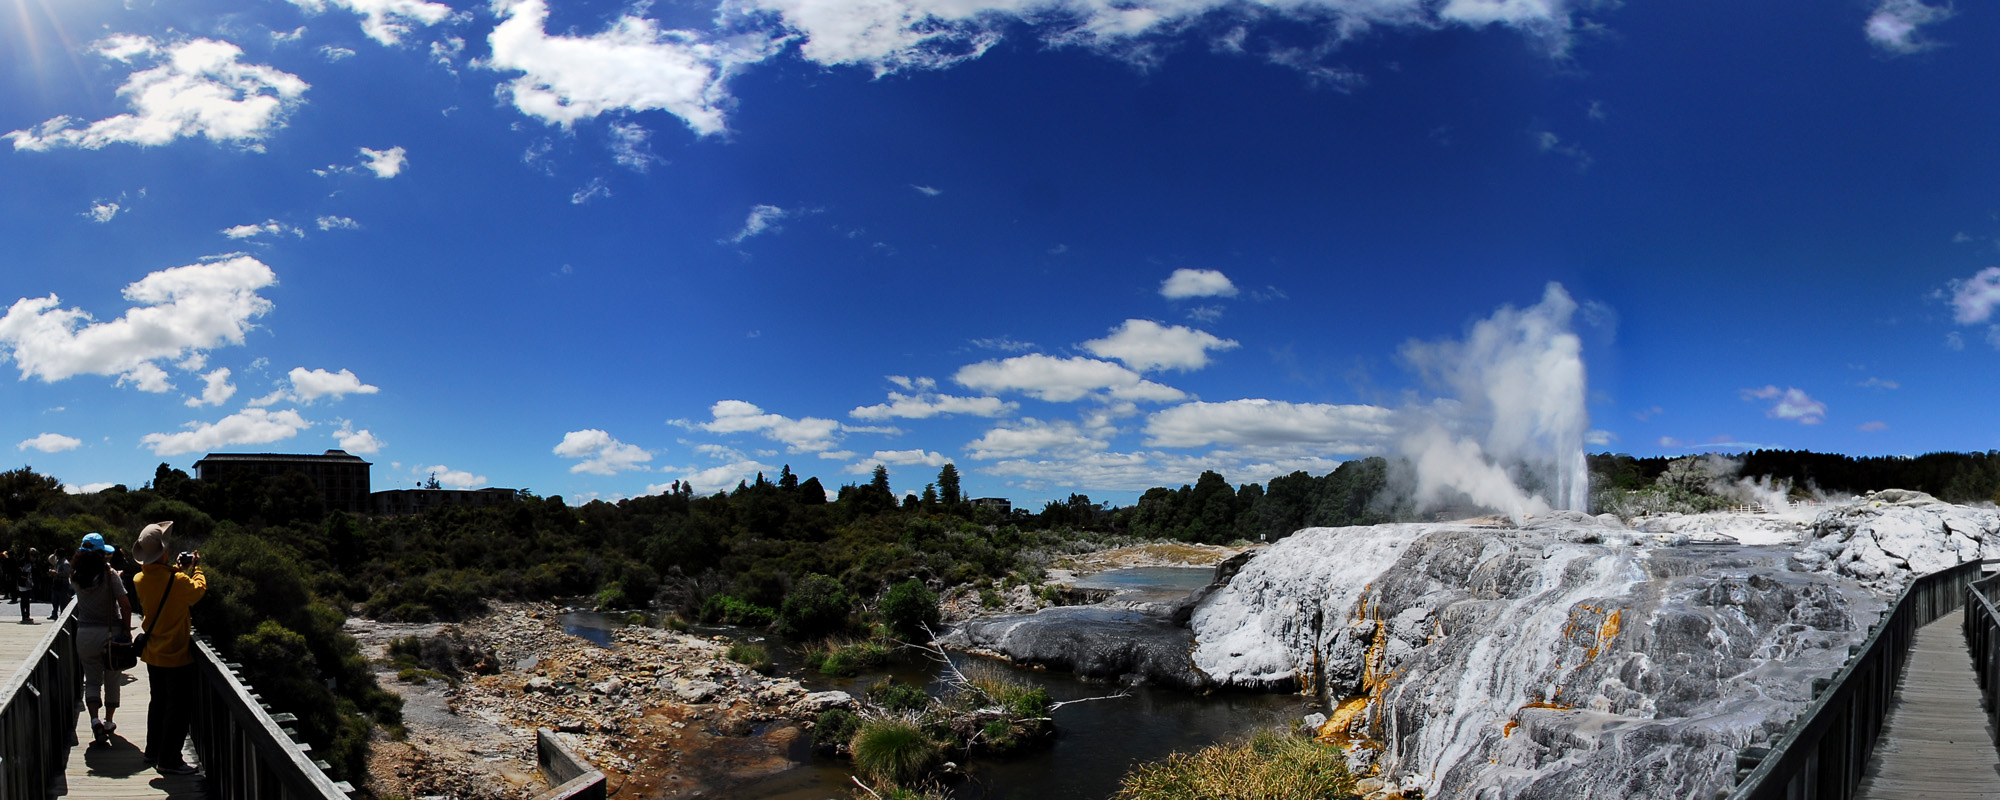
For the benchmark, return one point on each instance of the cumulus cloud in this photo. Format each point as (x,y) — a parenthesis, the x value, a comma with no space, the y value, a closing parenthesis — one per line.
(600,454)
(216,389)
(1062,380)
(198,88)
(88,488)
(329,223)
(336,54)
(385,21)
(1030,436)
(631,66)
(147,377)
(925,403)
(269,226)
(801,435)
(50,443)
(1186,283)
(249,426)
(762,218)
(1973,299)
(898,458)
(360,442)
(1341,428)
(385,163)
(451,478)
(1791,404)
(1145,345)
(102,212)
(715,479)
(1895,25)
(310,385)
(180,311)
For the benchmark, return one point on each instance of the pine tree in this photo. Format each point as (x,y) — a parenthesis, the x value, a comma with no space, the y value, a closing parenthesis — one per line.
(947,486)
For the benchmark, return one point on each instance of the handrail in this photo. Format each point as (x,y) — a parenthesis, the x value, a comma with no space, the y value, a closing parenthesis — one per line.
(1825,751)
(245,751)
(38,713)
(1982,637)
(569,776)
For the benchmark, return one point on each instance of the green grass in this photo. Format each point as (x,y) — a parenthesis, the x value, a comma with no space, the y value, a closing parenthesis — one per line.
(894,751)
(753,656)
(1270,766)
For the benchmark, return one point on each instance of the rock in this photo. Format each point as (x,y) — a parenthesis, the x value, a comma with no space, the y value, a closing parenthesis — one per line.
(539,684)
(1313,721)
(610,687)
(821,701)
(693,691)
(571,726)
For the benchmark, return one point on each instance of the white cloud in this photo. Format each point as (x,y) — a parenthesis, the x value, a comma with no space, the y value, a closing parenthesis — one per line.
(631,66)
(336,54)
(1029,436)
(1186,283)
(199,88)
(715,479)
(385,21)
(1878,383)
(1973,299)
(310,385)
(761,219)
(601,454)
(216,389)
(1791,404)
(898,458)
(181,310)
(593,190)
(341,223)
(88,488)
(360,442)
(1875,426)
(1599,438)
(1257,422)
(385,163)
(926,403)
(926,190)
(1003,344)
(451,478)
(1145,345)
(1954,341)
(287,37)
(629,146)
(802,435)
(147,377)
(250,426)
(1894,25)
(50,443)
(102,212)
(269,226)
(1061,380)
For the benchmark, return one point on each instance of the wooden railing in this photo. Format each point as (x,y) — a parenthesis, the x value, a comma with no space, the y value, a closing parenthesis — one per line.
(571,776)
(1823,753)
(38,713)
(1982,637)
(245,750)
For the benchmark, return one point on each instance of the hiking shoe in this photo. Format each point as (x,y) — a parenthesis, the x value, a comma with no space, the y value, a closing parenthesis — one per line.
(182,768)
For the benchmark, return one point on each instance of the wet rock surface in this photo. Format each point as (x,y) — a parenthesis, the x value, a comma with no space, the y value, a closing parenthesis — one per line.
(1572,657)
(663,714)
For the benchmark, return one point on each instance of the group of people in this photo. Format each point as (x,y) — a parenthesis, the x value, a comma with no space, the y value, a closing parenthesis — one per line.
(105,595)
(23,576)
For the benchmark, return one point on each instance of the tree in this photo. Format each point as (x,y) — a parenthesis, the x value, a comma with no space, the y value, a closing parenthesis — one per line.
(907,607)
(947,486)
(880,480)
(22,492)
(816,605)
(786,480)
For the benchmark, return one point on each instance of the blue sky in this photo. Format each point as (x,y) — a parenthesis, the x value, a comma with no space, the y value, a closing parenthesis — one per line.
(591,248)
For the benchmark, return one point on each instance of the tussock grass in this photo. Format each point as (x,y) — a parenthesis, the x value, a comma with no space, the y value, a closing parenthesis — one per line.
(1270,766)
(999,686)
(894,751)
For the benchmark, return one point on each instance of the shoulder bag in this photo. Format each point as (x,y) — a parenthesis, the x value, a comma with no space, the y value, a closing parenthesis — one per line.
(125,655)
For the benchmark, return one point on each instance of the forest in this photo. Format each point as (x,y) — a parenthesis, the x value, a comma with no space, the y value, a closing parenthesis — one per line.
(285,573)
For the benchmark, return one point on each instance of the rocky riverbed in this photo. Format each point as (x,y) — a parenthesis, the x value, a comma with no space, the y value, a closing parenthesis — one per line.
(663,714)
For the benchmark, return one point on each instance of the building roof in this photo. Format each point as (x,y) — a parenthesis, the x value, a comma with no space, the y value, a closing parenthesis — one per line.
(330,455)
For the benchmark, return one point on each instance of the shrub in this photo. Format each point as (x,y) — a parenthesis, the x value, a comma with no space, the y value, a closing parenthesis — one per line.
(674,623)
(1271,766)
(835,728)
(894,750)
(998,686)
(990,598)
(816,606)
(908,608)
(729,610)
(753,656)
(843,656)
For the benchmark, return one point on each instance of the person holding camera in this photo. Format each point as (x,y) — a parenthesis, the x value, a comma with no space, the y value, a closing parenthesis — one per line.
(103,613)
(165,595)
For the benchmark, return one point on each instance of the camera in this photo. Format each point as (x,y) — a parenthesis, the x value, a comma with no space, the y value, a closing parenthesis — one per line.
(185,559)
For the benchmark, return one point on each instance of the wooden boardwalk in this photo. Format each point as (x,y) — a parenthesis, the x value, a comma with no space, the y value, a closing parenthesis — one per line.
(1937,743)
(115,771)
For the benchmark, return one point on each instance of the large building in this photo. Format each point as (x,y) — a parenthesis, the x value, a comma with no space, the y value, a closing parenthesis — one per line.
(342,479)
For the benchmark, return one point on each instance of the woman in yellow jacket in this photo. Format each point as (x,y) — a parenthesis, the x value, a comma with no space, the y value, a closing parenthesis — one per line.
(165,593)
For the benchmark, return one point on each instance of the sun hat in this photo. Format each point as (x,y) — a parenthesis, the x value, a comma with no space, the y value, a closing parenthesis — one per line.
(94,541)
(152,544)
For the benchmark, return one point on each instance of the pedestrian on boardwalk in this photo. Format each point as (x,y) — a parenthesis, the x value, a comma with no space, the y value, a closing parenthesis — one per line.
(59,584)
(24,583)
(7,573)
(165,594)
(103,613)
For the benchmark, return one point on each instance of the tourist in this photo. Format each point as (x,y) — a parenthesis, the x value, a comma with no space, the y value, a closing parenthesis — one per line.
(7,574)
(59,585)
(24,583)
(103,613)
(165,592)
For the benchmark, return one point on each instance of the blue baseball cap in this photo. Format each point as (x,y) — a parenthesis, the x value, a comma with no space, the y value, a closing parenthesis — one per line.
(95,541)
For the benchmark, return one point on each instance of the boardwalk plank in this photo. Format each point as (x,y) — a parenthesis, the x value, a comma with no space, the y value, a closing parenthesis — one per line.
(1937,743)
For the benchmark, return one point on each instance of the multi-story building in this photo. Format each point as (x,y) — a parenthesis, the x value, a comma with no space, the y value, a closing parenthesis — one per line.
(342,479)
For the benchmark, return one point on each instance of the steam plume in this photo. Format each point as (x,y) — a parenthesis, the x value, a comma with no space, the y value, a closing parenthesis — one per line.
(1519,419)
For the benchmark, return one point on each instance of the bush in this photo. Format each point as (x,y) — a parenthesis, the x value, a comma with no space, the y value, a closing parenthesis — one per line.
(894,750)
(908,608)
(843,657)
(898,696)
(1271,766)
(990,599)
(835,728)
(816,606)
(753,656)
(729,610)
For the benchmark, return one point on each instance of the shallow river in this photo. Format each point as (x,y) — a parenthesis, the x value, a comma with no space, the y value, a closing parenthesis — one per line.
(1097,740)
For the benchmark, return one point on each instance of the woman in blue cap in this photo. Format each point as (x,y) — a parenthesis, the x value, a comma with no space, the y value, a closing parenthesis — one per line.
(103,613)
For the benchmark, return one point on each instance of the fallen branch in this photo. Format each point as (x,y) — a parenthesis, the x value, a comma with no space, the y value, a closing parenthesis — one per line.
(1054,706)
(864,787)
